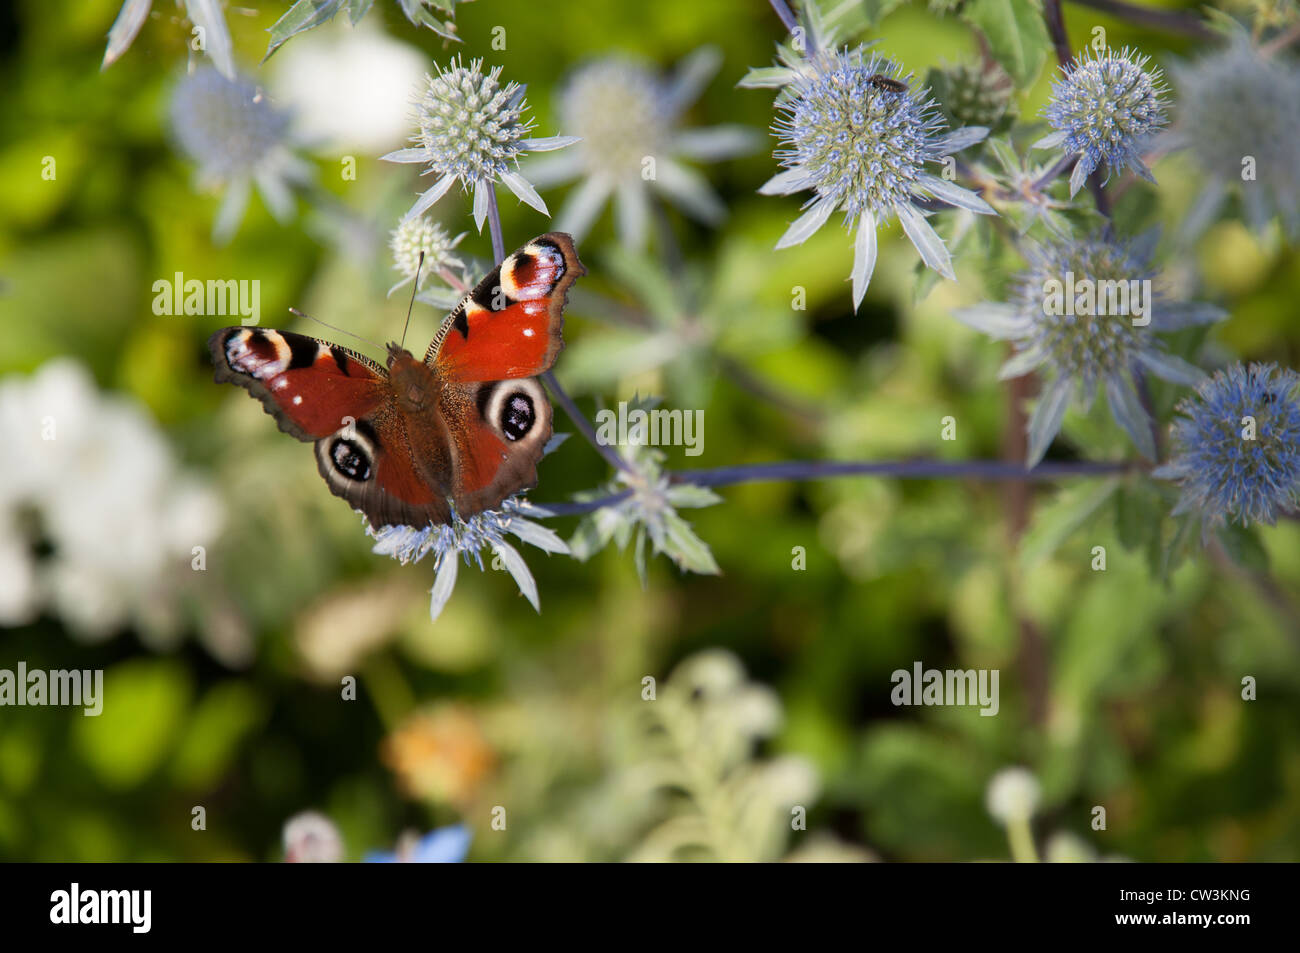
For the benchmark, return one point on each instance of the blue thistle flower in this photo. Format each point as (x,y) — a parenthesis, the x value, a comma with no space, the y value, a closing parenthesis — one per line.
(1105,107)
(1235,105)
(471,129)
(1237,446)
(445,845)
(466,539)
(1078,345)
(238,138)
(855,134)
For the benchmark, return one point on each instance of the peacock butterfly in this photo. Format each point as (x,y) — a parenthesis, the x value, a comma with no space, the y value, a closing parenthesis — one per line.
(462,429)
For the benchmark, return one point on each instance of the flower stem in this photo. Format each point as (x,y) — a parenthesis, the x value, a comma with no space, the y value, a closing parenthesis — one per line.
(787,16)
(562,398)
(1021,839)
(1170,20)
(494,226)
(824,470)
(906,470)
(1055,20)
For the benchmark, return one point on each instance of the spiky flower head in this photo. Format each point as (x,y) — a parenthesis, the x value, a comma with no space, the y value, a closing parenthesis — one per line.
(859,134)
(854,131)
(469,123)
(1086,312)
(1105,107)
(1239,118)
(467,539)
(237,137)
(1237,446)
(414,236)
(471,129)
(977,94)
(642,503)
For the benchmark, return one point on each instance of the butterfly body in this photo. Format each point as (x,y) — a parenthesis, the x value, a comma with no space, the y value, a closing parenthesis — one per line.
(412,442)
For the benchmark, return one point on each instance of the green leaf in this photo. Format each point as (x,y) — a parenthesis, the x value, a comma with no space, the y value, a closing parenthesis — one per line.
(1243,547)
(302,16)
(225,716)
(685,548)
(357,9)
(1139,511)
(1016,33)
(143,704)
(1057,520)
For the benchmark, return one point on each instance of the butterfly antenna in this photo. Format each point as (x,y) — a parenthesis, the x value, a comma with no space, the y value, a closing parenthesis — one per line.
(415,287)
(333,327)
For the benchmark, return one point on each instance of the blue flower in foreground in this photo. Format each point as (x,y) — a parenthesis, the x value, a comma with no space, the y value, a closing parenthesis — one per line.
(1237,446)
(859,137)
(466,539)
(471,129)
(446,845)
(1087,312)
(1105,108)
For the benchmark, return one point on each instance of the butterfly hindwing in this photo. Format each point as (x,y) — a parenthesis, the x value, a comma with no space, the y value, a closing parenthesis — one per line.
(498,431)
(509,325)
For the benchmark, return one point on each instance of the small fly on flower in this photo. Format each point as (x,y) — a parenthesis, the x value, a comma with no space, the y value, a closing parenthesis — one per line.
(887,83)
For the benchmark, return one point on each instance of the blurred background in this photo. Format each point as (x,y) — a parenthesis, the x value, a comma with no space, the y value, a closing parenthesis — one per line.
(225,666)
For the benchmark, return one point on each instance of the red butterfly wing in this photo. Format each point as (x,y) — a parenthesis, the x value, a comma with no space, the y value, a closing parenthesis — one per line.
(509,326)
(308,386)
(342,400)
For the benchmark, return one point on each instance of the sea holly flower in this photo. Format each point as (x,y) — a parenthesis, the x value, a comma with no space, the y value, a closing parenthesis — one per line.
(975,94)
(238,139)
(471,129)
(1086,313)
(647,510)
(1239,120)
(1236,446)
(1105,107)
(446,845)
(855,134)
(208,21)
(466,539)
(627,119)
(416,236)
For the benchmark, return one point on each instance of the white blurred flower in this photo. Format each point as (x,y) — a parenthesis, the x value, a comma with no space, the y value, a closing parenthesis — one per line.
(92,478)
(627,119)
(347,86)
(1013,796)
(311,838)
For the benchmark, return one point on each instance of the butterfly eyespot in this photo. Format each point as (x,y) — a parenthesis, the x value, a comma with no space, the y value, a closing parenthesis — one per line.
(350,459)
(517,415)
